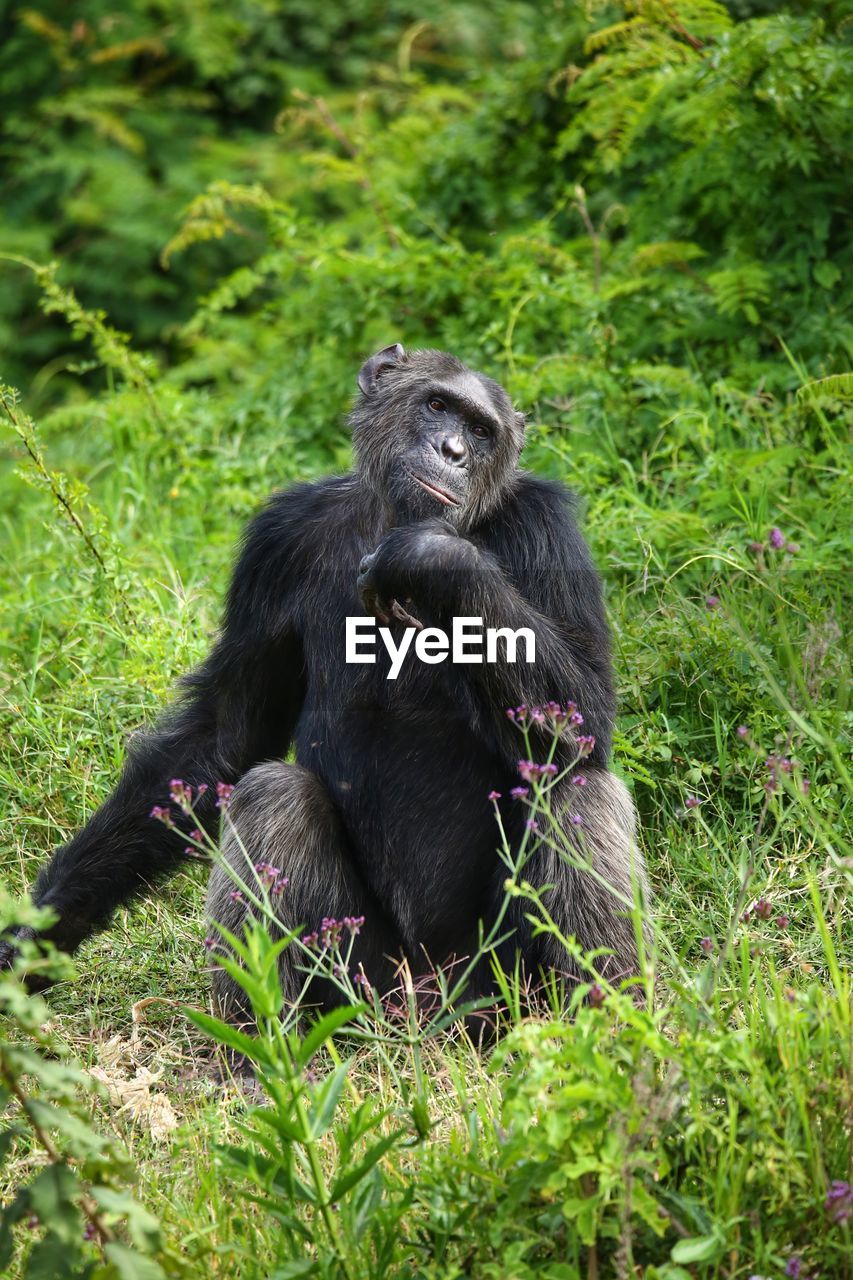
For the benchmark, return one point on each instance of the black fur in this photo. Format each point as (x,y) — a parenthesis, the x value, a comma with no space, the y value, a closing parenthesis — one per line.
(408,764)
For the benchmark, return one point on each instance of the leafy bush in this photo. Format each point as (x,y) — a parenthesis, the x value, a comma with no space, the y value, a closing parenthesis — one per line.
(71,1203)
(632,215)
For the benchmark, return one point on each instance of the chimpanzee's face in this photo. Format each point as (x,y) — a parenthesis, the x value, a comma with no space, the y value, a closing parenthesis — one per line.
(440,439)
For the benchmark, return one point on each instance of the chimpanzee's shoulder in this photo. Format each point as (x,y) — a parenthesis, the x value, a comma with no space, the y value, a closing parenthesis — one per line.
(533,502)
(302,509)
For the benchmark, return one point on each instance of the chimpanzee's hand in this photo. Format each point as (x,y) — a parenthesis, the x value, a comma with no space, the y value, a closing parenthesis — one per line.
(421,561)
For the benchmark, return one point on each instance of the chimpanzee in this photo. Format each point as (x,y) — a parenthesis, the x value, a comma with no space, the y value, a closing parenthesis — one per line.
(389,812)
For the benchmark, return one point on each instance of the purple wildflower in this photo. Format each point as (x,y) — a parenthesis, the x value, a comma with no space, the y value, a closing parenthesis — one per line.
(162,814)
(792,548)
(743,731)
(269,876)
(794,1268)
(597,995)
(181,794)
(707,945)
(560,716)
(839,1201)
(712,602)
(579,780)
(692,802)
(782,921)
(776,765)
(328,936)
(223,794)
(762,908)
(776,539)
(361,979)
(530,771)
(90,1231)
(531,824)
(494,796)
(235,896)
(519,793)
(756,548)
(585,742)
(209,943)
(576,820)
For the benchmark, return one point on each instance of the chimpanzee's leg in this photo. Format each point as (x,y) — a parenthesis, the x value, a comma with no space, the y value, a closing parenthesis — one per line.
(598,824)
(281,815)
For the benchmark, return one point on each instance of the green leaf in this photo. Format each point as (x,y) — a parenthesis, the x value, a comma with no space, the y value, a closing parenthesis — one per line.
(79,1133)
(131,1265)
(143,1227)
(326,1099)
(324,1028)
(827,274)
(223,1033)
(698,1249)
(266,1173)
(349,1179)
(53,1257)
(10,1215)
(52,1197)
(296,1267)
(290,1130)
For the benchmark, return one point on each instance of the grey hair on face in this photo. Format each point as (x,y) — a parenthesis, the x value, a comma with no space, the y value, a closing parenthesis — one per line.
(393,386)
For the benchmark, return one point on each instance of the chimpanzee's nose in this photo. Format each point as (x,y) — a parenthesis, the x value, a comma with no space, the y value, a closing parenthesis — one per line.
(453,450)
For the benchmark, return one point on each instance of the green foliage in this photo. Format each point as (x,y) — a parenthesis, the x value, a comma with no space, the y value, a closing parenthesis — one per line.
(113,119)
(633,215)
(329,1218)
(72,1214)
(610,1145)
(712,152)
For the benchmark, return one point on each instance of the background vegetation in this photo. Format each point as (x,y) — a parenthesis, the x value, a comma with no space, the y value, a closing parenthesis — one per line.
(633,215)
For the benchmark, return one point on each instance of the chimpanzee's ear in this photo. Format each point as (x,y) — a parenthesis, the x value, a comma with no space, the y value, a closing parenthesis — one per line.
(372,369)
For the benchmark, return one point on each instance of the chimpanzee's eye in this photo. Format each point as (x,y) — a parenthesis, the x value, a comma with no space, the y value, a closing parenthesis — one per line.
(437,406)
(480,431)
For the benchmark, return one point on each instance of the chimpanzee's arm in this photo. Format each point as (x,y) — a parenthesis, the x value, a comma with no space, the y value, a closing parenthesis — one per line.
(571,659)
(531,569)
(238,708)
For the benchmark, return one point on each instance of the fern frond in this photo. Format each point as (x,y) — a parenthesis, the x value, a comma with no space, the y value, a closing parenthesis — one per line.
(207,217)
(837,387)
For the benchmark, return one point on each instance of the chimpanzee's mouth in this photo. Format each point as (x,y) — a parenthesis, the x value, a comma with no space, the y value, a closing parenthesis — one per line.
(432,489)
